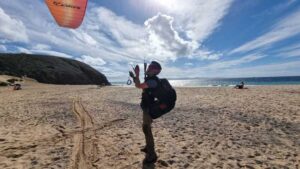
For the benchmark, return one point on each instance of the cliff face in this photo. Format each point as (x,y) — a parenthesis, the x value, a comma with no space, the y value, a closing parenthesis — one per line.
(50,69)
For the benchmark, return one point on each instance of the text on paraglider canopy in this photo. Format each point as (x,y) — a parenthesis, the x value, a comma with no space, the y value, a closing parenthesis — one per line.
(65,5)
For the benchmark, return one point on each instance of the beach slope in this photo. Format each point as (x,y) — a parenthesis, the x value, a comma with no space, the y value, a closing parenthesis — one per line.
(63,126)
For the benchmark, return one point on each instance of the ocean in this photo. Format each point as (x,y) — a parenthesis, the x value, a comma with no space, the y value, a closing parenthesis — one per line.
(228,82)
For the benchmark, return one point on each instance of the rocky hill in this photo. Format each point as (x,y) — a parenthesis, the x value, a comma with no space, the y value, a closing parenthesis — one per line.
(50,69)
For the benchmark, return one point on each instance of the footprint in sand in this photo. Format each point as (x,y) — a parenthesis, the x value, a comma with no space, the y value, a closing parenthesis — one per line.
(14,155)
(186,165)
(171,162)
(56,158)
(163,163)
(34,162)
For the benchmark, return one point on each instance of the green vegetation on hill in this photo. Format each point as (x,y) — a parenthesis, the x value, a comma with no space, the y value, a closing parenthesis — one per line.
(50,69)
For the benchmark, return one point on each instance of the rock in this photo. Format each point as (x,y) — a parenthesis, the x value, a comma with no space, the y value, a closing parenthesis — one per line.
(50,69)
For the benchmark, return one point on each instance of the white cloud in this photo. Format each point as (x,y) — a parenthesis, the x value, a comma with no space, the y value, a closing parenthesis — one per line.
(276,69)
(215,69)
(197,18)
(291,53)
(11,28)
(119,38)
(109,36)
(121,29)
(113,74)
(235,62)
(3,48)
(284,5)
(84,37)
(42,47)
(165,43)
(267,70)
(44,51)
(285,28)
(24,50)
(200,18)
(95,62)
(289,48)
(52,53)
(205,54)
(188,64)
(164,39)
(108,42)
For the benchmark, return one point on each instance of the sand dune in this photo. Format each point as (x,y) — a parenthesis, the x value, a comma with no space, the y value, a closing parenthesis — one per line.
(62,126)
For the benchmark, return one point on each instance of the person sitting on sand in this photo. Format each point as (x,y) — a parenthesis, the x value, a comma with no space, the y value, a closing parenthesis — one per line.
(156,101)
(17,87)
(240,86)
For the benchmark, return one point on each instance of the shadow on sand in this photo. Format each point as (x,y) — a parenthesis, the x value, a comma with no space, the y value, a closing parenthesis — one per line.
(148,166)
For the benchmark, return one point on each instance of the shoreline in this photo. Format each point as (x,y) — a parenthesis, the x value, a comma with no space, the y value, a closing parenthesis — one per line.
(219,86)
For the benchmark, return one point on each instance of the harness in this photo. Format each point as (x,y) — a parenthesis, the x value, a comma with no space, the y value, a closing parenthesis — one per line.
(159,100)
(156,95)
(152,92)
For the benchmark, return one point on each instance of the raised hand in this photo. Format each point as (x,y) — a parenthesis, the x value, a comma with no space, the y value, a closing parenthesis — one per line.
(137,70)
(131,74)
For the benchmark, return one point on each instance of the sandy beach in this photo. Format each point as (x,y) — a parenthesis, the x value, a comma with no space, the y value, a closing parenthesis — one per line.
(63,126)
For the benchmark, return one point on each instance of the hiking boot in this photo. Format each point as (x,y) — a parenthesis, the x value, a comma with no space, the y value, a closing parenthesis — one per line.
(150,158)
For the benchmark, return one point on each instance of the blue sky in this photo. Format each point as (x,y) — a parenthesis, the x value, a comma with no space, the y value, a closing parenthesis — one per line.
(191,38)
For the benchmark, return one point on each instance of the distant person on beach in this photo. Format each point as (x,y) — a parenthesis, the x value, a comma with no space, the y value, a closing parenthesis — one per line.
(158,98)
(240,86)
(17,87)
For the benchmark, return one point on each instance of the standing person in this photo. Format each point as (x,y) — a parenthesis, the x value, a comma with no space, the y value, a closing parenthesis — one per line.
(158,98)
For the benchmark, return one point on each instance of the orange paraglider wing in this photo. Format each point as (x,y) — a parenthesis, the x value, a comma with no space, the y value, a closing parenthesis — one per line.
(67,13)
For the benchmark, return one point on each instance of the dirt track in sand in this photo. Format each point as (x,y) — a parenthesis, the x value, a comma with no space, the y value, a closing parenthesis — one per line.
(84,145)
(84,153)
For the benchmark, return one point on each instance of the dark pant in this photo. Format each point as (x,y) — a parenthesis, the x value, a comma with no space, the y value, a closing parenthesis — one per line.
(147,121)
(151,110)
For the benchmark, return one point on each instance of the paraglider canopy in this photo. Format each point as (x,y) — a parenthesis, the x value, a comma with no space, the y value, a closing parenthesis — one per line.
(67,13)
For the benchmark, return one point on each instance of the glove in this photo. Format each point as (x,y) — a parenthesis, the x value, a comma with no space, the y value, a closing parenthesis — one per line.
(137,71)
(131,74)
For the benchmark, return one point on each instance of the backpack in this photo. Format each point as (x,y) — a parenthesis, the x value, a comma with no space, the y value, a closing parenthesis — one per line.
(164,93)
